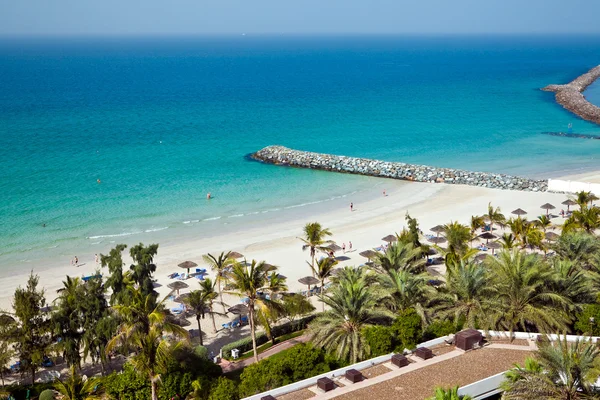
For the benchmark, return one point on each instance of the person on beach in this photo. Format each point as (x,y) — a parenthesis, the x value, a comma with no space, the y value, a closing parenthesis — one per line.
(351,206)
(349,246)
(96,259)
(384,194)
(344,247)
(208,196)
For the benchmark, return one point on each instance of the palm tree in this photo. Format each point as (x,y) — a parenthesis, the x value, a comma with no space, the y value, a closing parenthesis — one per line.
(400,256)
(143,327)
(533,237)
(247,280)
(520,297)
(579,247)
(518,227)
(544,222)
(197,302)
(508,241)
(563,371)
(586,219)
(464,295)
(220,265)
(449,394)
(458,236)
(314,239)
(77,388)
(354,304)
(477,222)
(407,290)
(207,288)
(584,199)
(325,267)
(494,216)
(571,282)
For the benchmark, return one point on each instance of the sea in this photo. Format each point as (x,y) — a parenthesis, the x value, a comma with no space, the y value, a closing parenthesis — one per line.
(119,139)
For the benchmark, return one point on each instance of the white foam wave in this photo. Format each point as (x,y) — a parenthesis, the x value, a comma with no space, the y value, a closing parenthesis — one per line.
(115,235)
(193,221)
(211,219)
(156,229)
(236,216)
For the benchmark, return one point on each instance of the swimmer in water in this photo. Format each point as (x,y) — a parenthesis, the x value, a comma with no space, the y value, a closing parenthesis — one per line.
(208,196)
(98,180)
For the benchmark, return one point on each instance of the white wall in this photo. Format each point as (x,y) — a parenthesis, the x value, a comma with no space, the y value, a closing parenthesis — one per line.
(557,185)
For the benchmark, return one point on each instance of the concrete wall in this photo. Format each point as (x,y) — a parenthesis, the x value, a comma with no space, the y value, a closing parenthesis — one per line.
(557,185)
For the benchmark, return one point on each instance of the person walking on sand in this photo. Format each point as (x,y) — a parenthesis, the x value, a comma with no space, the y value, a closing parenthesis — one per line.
(76,261)
(344,247)
(96,259)
(351,206)
(349,246)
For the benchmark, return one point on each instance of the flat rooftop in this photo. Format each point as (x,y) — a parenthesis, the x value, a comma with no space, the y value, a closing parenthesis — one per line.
(449,367)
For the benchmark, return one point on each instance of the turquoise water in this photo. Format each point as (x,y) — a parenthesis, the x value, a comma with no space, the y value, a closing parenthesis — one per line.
(163,121)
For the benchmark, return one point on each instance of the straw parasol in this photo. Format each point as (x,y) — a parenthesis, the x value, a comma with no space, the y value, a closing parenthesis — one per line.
(487,236)
(437,229)
(551,236)
(547,207)
(480,257)
(308,280)
(187,265)
(178,320)
(182,298)
(494,246)
(437,240)
(235,255)
(390,238)
(569,203)
(334,247)
(239,309)
(269,267)
(177,285)
(519,212)
(368,254)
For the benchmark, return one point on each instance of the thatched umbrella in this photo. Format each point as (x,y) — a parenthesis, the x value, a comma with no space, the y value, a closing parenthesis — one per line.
(480,257)
(178,320)
(437,240)
(487,236)
(390,238)
(336,271)
(494,246)
(235,255)
(368,254)
(552,237)
(239,309)
(269,267)
(334,247)
(182,298)
(569,203)
(308,280)
(437,229)
(177,285)
(547,207)
(519,212)
(187,265)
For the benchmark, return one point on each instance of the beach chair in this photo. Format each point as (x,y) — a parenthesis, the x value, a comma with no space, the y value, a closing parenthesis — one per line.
(183,276)
(244,319)
(200,277)
(173,275)
(227,325)
(235,324)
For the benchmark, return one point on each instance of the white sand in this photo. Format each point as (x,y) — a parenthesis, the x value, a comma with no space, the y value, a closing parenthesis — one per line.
(431,204)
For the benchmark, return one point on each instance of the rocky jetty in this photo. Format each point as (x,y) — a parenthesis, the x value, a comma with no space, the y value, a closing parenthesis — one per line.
(280,155)
(570,96)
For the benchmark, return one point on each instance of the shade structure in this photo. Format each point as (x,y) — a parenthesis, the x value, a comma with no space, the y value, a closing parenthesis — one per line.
(334,247)
(269,267)
(480,257)
(547,207)
(390,238)
(519,212)
(187,265)
(336,271)
(569,203)
(487,236)
(494,246)
(437,229)
(368,254)
(281,276)
(178,320)
(308,280)
(239,309)
(437,240)
(551,236)
(181,298)
(235,255)
(177,285)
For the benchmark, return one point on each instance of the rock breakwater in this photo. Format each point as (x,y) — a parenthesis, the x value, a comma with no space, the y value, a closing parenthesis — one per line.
(280,155)
(571,97)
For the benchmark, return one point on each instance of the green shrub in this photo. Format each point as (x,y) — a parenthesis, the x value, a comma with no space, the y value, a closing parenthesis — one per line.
(408,330)
(201,352)
(175,384)
(381,339)
(47,395)
(582,325)
(438,329)
(224,389)
(128,385)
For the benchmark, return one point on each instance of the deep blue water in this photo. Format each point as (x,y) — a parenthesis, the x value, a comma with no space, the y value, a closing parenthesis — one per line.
(163,121)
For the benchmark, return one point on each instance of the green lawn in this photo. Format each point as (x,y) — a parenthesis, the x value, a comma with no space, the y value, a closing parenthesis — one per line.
(268,345)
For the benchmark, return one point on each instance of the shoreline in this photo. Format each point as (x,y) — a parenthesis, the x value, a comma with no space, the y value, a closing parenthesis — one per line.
(571,97)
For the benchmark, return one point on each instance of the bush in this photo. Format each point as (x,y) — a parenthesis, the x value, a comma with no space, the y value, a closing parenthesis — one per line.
(582,325)
(381,339)
(408,330)
(127,385)
(201,352)
(47,395)
(439,328)
(175,384)
(224,389)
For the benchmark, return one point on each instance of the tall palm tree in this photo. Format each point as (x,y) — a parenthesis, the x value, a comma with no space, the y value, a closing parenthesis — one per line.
(494,216)
(464,295)
(354,304)
(407,290)
(586,219)
(324,268)
(578,247)
(458,237)
(562,370)
(314,239)
(572,282)
(197,302)
(449,394)
(207,288)
(142,330)
(220,265)
(248,280)
(518,227)
(508,241)
(544,222)
(400,256)
(584,199)
(520,297)
(533,237)
(77,388)
(477,222)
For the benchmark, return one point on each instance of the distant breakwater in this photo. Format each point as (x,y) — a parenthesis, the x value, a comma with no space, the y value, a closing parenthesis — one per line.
(571,97)
(280,155)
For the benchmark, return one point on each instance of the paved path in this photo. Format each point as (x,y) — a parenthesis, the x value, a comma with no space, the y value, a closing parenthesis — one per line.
(228,366)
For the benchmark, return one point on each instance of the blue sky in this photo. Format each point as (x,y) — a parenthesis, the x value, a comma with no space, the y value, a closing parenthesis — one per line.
(139,17)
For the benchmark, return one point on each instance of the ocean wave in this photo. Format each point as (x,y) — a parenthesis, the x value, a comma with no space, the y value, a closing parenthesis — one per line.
(193,221)
(156,229)
(52,247)
(114,235)
(236,216)
(211,219)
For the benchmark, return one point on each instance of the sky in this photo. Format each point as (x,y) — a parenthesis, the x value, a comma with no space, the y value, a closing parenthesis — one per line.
(184,17)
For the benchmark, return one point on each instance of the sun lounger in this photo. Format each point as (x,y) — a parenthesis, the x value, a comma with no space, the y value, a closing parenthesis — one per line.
(183,276)
(173,275)
(244,319)
(235,324)
(227,325)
